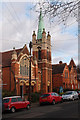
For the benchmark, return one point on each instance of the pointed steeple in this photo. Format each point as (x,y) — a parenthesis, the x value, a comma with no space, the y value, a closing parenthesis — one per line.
(40,26)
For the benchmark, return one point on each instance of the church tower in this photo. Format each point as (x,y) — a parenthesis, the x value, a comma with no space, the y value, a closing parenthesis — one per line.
(42,52)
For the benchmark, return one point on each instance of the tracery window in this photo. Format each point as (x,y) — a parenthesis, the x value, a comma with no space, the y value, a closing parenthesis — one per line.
(24,66)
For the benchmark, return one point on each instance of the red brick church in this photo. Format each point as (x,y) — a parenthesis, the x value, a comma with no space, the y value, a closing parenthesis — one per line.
(15,65)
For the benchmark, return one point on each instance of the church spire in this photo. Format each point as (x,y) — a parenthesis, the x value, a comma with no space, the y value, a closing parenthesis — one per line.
(40,25)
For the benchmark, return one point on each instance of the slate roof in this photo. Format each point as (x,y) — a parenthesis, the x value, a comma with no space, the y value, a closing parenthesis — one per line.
(72,63)
(6,56)
(58,68)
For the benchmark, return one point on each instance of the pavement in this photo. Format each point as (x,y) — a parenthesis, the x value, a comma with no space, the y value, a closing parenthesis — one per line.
(35,104)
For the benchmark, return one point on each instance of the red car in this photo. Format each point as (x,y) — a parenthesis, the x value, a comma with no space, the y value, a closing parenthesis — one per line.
(51,98)
(15,102)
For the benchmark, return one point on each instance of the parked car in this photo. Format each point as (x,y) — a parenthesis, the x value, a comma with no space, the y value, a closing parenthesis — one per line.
(70,95)
(78,94)
(51,98)
(15,102)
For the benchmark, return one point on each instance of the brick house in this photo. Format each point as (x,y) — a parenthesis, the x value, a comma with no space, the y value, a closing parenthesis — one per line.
(73,75)
(78,76)
(60,76)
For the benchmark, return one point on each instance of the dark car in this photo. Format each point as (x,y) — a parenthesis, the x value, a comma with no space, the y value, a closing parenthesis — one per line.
(78,94)
(50,98)
(15,102)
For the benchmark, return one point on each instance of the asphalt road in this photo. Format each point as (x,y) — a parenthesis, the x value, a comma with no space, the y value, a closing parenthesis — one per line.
(69,109)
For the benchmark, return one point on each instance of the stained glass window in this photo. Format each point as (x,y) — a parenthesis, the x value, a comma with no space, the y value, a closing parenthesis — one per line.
(24,66)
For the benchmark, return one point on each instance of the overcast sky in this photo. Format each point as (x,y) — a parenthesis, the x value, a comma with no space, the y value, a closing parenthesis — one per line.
(18,23)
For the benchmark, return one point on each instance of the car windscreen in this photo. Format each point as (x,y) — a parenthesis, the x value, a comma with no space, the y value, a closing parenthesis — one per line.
(45,95)
(67,93)
(5,100)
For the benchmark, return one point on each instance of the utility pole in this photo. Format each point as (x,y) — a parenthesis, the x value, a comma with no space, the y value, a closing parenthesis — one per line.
(30,46)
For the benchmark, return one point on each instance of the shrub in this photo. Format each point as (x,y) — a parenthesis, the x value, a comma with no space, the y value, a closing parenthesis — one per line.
(61,93)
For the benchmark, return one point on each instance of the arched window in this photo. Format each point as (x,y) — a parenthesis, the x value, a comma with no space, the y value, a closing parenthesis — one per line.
(24,66)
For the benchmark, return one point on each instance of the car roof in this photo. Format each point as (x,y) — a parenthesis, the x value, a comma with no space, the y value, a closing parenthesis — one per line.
(11,97)
(49,93)
(69,91)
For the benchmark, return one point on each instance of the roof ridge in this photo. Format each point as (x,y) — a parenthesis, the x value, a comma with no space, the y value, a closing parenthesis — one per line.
(11,50)
(59,64)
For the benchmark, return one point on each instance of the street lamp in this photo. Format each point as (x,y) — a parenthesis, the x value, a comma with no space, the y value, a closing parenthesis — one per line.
(30,46)
(39,57)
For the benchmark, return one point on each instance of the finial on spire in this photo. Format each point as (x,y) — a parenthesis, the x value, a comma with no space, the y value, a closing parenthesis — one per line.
(48,34)
(34,33)
(44,30)
(40,8)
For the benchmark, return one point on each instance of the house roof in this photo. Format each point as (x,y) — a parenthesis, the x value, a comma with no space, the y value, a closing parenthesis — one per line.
(72,63)
(58,68)
(6,56)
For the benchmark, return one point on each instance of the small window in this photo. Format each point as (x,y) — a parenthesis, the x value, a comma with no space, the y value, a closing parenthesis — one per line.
(56,94)
(6,100)
(19,99)
(53,94)
(39,54)
(45,95)
(13,100)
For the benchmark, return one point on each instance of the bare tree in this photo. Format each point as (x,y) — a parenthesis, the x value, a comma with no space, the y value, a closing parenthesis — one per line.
(59,10)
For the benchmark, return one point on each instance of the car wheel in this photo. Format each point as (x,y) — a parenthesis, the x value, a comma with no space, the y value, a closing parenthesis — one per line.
(28,107)
(13,109)
(40,104)
(78,98)
(53,102)
(73,99)
(61,100)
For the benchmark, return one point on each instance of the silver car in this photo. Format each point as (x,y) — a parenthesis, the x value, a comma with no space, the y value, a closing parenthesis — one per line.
(70,95)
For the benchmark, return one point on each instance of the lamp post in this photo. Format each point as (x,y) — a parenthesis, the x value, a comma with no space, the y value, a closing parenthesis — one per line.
(39,57)
(30,46)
